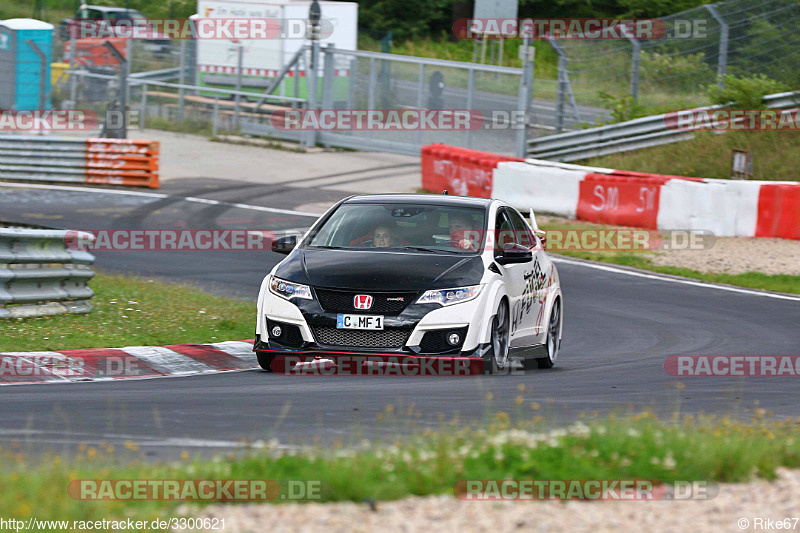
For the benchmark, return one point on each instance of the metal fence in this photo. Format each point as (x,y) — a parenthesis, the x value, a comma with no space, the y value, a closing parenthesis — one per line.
(737,37)
(355,80)
(40,275)
(361,80)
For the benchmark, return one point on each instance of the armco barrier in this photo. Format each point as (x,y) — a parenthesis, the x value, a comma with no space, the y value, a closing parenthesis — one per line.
(634,134)
(102,161)
(459,170)
(724,207)
(40,275)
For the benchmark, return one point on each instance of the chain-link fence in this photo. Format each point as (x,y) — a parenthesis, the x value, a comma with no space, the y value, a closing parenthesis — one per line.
(163,85)
(737,37)
(366,81)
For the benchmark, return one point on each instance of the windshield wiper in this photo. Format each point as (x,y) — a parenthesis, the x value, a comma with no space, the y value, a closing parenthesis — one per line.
(423,249)
(324,247)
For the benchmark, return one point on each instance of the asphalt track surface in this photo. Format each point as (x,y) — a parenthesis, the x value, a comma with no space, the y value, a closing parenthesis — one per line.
(619,330)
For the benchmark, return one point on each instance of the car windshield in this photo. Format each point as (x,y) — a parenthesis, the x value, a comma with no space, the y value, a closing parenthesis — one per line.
(419,228)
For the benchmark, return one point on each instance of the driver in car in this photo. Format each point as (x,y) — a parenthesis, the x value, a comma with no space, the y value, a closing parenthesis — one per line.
(462,235)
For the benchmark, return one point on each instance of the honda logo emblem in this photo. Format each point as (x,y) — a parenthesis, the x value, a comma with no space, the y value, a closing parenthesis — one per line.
(362,301)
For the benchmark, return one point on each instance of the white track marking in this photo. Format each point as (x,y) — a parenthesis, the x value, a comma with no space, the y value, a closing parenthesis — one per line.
(46,374)
(83,189)
(676,280)
(160,358)
(143,441)
(242,350)
(106,380)
(164,196)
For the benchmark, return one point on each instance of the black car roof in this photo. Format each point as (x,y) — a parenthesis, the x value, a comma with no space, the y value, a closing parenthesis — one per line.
(423,199)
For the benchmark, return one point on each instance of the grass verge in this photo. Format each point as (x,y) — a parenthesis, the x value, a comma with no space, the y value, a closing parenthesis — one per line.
(130,311)
(635,446)
(776,156)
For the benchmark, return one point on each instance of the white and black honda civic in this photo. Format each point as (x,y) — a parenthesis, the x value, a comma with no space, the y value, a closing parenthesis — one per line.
(413,275)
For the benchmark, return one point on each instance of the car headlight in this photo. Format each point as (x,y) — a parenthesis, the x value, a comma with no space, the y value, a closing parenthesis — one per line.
(450,296)
(288,290)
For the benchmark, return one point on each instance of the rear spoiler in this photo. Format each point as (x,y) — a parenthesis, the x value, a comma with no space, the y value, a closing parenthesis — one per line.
(536,230)
(534,225)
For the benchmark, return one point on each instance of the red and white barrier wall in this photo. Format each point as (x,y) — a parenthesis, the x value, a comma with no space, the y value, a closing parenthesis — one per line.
(458,170)
(619,197)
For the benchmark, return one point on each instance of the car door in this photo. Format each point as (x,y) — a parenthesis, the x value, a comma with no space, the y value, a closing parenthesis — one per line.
(514,277)
(536,275)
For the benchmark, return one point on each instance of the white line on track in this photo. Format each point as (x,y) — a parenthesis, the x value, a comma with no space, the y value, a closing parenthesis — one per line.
(47,437)
(676,280)
(163,196)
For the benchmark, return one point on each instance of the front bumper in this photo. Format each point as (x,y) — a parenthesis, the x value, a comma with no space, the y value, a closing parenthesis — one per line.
(326,361)
(418,330)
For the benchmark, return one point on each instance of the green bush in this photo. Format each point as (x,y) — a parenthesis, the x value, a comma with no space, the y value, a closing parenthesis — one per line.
(674,73)
(622,108)
(745,92)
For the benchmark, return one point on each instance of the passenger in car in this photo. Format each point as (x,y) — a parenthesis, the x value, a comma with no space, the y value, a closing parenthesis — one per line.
(383,237)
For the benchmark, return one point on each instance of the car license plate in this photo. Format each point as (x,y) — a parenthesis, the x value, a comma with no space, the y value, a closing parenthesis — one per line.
(359,322)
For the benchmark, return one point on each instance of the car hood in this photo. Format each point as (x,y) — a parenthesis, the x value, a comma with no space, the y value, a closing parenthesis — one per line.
(380,271)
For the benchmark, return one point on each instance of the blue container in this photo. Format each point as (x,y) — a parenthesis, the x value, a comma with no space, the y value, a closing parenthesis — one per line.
(21,67)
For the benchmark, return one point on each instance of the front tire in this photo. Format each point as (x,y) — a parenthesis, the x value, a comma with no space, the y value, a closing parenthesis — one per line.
(265,360)
(496,359)
(552,342)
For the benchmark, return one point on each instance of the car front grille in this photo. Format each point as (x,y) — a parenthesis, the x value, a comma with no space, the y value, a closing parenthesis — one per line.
(387,338)
(384,303)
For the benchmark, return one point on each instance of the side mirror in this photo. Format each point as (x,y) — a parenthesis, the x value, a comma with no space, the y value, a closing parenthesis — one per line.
(515,254)
(284,245)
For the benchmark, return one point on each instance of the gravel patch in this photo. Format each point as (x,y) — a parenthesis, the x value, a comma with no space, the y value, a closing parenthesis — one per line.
(759,499)
(736,255)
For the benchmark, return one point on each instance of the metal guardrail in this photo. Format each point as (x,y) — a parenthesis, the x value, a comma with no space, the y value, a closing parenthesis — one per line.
(627,136)
(164,74)
(328,138)
(41,275)
(102,161)
(431,62)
